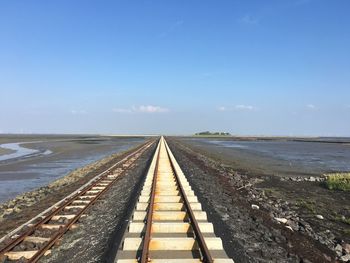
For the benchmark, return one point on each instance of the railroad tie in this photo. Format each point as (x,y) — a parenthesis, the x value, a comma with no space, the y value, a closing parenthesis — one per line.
(162,227)
(47,228)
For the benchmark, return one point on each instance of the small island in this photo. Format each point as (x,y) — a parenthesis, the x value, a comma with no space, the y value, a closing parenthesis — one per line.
(208,133)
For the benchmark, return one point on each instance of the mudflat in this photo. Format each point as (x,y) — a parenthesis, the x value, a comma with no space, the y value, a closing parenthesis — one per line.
(293,199)
(54,157)
(5,151)
(279,156)
(22,208)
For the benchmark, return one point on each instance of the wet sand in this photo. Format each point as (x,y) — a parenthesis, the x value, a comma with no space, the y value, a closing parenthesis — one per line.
(55,157)
(22,208)
(309,207)
(282,157)
(248,235)
(4,151)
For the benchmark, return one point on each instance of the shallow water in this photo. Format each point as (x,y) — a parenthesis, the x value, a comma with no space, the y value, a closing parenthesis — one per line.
(328,156)
(31,168)
(20,151)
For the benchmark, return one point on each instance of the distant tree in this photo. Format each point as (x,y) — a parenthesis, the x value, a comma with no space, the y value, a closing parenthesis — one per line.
(213,133)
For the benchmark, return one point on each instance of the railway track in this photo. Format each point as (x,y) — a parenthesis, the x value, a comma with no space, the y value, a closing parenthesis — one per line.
(168,224)
(34,239)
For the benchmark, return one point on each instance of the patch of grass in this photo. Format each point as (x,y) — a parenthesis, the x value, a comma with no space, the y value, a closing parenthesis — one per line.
(343,219)
(338,181)
(346,220)
(269,192)
(307,204)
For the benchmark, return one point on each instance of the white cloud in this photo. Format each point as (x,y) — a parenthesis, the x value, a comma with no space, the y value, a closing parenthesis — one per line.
(245,107)
(150,109)
(141,109)
(240,107)
(311,107)
(78,112)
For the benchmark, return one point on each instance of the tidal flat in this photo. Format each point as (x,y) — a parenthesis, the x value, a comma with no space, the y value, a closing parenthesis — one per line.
(280,156)
(33,161)
(277,184)
(288,170)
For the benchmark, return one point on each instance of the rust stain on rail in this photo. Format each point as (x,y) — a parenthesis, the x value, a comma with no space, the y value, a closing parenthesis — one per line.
(90,194)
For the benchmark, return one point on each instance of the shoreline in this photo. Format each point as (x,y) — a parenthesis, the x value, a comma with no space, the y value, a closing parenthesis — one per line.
(4,151)
(321,139)
(21,208)
(51,159)
(280,158)
(301,210)
(17,151)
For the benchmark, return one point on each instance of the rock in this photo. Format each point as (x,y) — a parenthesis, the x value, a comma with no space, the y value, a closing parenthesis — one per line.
(9,211)
(327,258)
(290,228)
(346,248)
(11,204)
(312,179)
(345,258)
(256,207)
(339,250)
(320,217)
(281,220)
(16,209)
(278,239)
(225,217)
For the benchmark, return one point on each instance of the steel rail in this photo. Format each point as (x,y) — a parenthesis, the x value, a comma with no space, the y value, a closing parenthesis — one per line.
(147,237)
(48,217)
(64,228)
(198,234)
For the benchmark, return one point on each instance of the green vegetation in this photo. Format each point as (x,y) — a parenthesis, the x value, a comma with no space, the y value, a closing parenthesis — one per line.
(338,181)
(208,133)
(269,192)
(343,219)
(307,204)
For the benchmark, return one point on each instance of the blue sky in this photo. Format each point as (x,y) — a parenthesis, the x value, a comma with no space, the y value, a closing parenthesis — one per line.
(175,67)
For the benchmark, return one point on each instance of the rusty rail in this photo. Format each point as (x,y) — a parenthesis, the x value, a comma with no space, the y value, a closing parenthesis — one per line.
(204,251)
(206,256)
(147,237)
(62,230)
